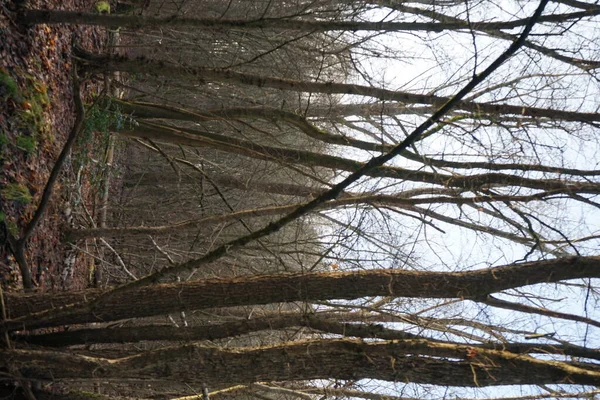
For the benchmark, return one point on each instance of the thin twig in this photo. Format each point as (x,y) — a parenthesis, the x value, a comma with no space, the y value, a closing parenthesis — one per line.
(338,189)
(119,259)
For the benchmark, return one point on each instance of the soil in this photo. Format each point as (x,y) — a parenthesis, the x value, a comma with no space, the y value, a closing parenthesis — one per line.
(36,118)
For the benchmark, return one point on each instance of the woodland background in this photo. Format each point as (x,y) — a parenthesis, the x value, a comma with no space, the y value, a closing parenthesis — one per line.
(385,200)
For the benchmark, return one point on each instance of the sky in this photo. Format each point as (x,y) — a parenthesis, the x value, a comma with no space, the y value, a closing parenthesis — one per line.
(423,62)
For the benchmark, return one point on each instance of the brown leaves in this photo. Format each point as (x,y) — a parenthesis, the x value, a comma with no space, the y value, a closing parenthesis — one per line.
(38,59)
(471,352)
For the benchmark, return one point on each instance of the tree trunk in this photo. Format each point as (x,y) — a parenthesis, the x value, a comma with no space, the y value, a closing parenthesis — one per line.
(141,301)
(329,323)
(418,361)
(140,21)
(379,199)
(196,138)
(202,75)
(150,111)
(20,304)
(326,323)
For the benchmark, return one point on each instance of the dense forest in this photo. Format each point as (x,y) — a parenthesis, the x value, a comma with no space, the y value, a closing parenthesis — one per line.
(314,199)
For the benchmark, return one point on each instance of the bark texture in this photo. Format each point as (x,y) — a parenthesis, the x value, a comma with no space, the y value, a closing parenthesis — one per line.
(379,199)
(196,138)
(418,361)
(166,298)
(143,21)
(328,323)
(153,111)
(203,75)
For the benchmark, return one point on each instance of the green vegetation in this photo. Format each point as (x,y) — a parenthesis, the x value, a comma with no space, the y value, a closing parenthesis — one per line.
(8,87)
(16,192)
(3,140)
(26,143)
(28,116)
(103,7)
(32,107)
(10,225)
(102,117)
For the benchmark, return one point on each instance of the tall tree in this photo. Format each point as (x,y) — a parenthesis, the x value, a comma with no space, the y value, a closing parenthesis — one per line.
(272,139)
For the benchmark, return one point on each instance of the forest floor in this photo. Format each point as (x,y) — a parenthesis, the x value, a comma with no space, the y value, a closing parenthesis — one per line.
(37,113)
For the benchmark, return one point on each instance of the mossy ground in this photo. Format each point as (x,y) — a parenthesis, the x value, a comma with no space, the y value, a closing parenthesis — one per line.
(36,116)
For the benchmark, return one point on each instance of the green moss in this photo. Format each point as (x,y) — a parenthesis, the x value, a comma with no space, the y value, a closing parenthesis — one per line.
(8,87)
(30,120)
(103,7)
(12,228)
(36,100)
(10,225)
(26,143)
(16,192)
(30,102)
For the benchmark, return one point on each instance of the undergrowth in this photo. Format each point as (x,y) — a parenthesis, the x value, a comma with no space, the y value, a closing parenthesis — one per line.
(102,118)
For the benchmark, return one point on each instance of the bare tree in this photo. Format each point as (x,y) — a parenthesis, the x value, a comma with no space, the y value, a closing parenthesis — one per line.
(450,204)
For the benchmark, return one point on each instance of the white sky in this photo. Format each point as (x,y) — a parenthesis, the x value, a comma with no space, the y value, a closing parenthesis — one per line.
(421,66)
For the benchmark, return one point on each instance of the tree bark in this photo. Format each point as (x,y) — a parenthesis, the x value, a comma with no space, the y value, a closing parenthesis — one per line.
(202,74)
(21,304)
(327,323)
(196,138)
(150,111)
(143,21)
(247,184)
(330,324)
(374,199)
(418,361)
(173,297)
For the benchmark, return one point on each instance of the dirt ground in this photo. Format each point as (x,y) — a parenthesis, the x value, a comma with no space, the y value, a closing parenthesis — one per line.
(36,115)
